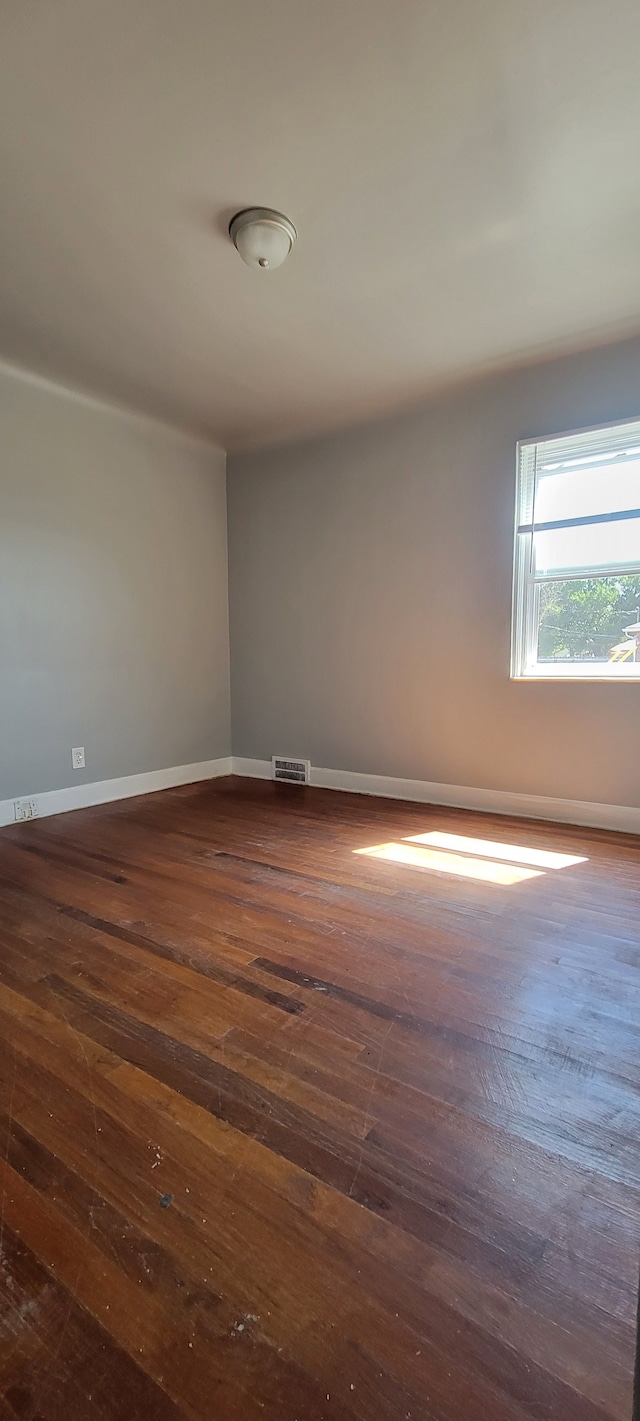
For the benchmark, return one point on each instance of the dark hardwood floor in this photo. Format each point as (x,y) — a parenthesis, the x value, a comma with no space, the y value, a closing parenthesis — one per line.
(293,1132)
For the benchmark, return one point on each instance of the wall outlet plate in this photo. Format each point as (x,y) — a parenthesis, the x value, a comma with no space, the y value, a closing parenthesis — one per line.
(77,757)
(25,809)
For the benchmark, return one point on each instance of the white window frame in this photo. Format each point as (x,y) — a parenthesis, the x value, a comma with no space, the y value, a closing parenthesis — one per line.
(524,616)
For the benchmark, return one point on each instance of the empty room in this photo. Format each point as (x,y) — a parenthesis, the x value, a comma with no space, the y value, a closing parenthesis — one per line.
(319,710)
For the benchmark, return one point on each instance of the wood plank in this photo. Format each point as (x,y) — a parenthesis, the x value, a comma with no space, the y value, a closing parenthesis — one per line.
(290,1132)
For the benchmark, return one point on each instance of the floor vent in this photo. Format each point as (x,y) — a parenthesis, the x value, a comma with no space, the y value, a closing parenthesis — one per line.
(294,772)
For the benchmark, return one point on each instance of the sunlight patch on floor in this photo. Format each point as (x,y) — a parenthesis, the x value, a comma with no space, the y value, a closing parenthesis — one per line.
(515,853)
(482,859)
(463,866)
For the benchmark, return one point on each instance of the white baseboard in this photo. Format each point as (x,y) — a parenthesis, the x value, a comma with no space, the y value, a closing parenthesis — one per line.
(254,769)
(624,818)
(58,801)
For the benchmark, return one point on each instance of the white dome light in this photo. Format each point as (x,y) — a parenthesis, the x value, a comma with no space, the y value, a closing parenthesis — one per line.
(262,237)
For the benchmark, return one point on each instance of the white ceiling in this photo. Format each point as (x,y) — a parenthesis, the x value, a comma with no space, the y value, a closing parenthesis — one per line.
(464,176)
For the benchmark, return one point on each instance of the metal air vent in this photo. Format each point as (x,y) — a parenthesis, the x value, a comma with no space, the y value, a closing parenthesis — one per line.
(294,772)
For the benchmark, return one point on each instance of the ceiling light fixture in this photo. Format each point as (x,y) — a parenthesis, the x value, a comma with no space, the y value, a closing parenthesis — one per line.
(263,238)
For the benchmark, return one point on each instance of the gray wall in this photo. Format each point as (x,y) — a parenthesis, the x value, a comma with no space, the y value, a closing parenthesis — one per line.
(113,592)
(370,597)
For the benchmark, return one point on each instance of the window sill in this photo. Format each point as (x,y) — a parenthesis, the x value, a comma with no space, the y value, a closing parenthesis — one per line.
(576,678)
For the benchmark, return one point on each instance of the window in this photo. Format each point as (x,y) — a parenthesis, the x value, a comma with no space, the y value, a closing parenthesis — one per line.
(576,599)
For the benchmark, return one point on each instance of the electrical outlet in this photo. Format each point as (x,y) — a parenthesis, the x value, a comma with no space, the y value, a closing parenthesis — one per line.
(77,757)
(25,809)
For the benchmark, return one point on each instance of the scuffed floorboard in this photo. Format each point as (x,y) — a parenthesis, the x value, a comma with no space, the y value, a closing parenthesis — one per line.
(298,1132)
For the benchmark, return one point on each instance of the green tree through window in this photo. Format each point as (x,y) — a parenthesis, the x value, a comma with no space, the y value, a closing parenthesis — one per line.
(585,618)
